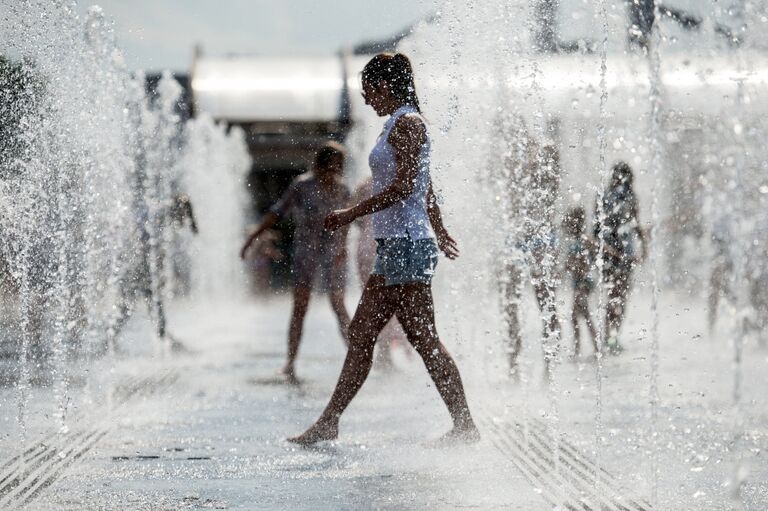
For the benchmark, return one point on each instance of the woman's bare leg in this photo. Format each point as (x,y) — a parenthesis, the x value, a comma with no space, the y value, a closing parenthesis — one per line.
(544,280)
(511,294)
(416,314)
(623,297)
(717,285)
(366,257)
(545,297)
(590,324)
(301,297)
(575,315)
(581,310)
(618,294)
(337,304)
(376,307)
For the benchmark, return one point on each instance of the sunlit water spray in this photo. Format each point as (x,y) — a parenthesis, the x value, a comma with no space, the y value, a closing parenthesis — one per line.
(655,136)
(611,102)
(88,174)
(603,174)
(95,162)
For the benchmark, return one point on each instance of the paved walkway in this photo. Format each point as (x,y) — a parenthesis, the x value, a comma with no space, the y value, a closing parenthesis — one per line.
(206,430)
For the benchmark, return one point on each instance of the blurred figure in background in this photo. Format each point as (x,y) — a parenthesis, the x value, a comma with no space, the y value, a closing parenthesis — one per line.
(642,17)
(317,253)
(579,262)
(535,185)
(757,277)
(392,334)
(181,212)
(181,215)
(142,273)
(619,226)
(721,272)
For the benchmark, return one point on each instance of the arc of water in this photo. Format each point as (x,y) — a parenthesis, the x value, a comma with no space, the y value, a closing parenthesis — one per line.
(553,331)
(657,148)
(602,182)
(742,279)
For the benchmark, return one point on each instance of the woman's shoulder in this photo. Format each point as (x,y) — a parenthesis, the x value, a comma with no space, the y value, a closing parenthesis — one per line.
(408,125)
(410,118)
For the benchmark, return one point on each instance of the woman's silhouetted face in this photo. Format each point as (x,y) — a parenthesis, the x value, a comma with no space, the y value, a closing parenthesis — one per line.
(622,176)
(377,97)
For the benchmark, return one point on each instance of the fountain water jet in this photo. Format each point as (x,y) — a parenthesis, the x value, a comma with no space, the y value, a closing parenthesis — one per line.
(87,176)
(617,88)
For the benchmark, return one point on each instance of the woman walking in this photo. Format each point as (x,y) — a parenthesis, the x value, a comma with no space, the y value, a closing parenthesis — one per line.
(404,215)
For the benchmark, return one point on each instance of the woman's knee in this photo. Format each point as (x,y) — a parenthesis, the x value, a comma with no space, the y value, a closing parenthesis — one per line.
(427,345)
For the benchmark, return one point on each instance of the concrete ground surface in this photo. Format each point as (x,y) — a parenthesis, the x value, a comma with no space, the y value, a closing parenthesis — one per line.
(206,429)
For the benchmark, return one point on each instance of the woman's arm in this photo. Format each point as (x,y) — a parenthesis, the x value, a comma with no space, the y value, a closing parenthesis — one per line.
(641,233)
(279,210)
(444,240)
(362,192)
(269,221)
(191,216)
(407,138)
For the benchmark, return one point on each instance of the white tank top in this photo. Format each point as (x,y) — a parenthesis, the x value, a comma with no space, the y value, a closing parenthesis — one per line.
(407,218)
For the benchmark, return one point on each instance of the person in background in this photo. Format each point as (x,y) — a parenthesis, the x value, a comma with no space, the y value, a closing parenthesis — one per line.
(180,216)
(618,228)
(182,213)
(579,261)
(143,276)
(532,246)
(317,252)
(721,271)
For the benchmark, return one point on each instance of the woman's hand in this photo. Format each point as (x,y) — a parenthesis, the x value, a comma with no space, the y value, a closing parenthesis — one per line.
(339,218)
(447,244)
(645,238)
(245,248)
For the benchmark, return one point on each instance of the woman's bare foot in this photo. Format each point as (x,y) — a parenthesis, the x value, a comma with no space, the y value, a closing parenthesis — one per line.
(290,373)
(318,432)
(458,435)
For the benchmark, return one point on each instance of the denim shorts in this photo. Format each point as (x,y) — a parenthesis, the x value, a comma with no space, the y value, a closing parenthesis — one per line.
(403,260)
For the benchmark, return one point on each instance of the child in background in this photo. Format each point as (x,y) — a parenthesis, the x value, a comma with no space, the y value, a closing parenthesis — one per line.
(579,262)
(317,252)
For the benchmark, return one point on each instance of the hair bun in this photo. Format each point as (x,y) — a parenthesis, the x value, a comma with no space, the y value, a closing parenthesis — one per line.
(396,71)
(403,59)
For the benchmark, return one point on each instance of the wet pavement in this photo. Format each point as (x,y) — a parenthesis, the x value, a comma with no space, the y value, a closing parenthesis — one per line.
(206,429)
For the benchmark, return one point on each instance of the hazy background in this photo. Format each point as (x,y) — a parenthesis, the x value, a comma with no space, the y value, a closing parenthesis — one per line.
(161,34)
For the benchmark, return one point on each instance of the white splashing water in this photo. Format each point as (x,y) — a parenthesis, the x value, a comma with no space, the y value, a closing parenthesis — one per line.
(86,179)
